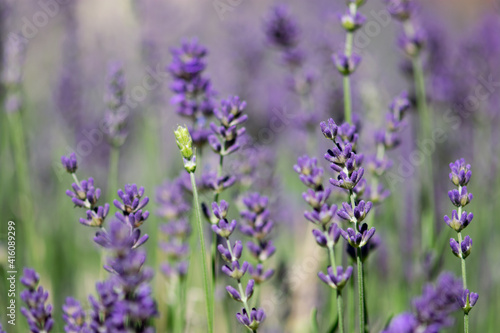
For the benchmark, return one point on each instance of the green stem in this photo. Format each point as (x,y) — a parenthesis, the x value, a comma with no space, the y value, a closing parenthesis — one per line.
(466,323)
(24,207)
(340,311)
(208,290)
(346,80)
(360,291)
(428,232)
(114,158)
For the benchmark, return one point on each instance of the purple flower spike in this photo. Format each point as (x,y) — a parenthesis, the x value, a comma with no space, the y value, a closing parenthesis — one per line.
(70,163)
(234,293)
(346,65)
(460,198)
(258,274)
(347,181)
(358,239)
(329,129)
(263,251)
(467,300)
(281,29)
(37,313)
(338,279)
(217,184)
(355,215)
(253,321)
(460,172)
(458,223)
(310,174)
(352,22)
(84,194)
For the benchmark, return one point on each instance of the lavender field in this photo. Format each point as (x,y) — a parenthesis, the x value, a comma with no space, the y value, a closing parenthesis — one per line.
(249,166)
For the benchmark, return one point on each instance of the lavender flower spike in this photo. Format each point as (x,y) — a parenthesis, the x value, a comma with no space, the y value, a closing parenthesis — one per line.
(38,314)
(359,238)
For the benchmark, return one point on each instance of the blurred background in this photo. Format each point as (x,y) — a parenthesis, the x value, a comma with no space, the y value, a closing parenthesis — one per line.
(68,47)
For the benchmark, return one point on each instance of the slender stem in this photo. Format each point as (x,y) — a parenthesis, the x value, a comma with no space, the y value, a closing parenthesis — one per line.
(346,80)
(206,275)
(428,232)
(464,272)
(25,207)
(340,311)
(360,291)
(466,323)
(114,158)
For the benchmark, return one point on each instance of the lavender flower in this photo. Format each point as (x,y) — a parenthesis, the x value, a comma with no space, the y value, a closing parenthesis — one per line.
(84,194)
(231,255)
(432,310)
(174,208)
(387,139)
(338,279)
(115,118)
(38,314)
(129,278)
(74,317)
(258,225)
(281,29)
(193,92)
(69,163)
(225,137)
(131,205)
(460,176)
(468,300)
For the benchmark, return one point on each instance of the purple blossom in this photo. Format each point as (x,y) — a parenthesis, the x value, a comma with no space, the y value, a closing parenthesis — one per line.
(355,215)
(74,317)
(37,313)
(131,205)
(432,310)
(309,172)
(460,197)
(338,279)
(193,93)
(115,118)
(358,238)
(463,249)
(468,300)
(460,172)
(458,223)
(225,138)
(96,217)
(281,29)
(69,163)
(84,194)
(352,22)
(346,65)
(252,322)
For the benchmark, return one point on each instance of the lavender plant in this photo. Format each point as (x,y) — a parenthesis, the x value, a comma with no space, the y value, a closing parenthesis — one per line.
(412,41)
(460,176)
(37,312)
(231,254)
(258,225)
(346,162)
(193,93)
(282,32)
(115,120)
(432,310)
(347,61)
(85,194)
